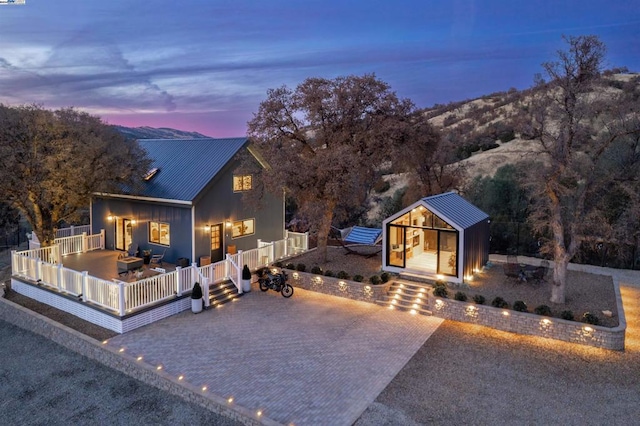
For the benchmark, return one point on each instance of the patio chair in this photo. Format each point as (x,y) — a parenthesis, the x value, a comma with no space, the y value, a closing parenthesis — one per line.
(156,259)
(361,241)
(132,251)
(539,273)
(512,271)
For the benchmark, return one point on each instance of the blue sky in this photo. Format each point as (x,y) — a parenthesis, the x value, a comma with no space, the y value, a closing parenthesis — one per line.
(206,65)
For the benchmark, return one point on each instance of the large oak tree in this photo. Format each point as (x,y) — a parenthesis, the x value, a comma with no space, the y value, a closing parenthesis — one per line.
(51,162)
(325,141)
(581,132)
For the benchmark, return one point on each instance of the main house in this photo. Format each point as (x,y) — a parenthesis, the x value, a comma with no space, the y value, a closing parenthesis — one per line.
(189,205)
(442,237)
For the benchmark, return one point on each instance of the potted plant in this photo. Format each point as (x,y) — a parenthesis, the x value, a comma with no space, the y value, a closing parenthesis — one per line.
(196,298)
(246,279)
(146,256)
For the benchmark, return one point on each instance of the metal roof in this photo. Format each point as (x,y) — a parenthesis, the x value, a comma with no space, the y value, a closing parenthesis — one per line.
(185,166)
(455,209)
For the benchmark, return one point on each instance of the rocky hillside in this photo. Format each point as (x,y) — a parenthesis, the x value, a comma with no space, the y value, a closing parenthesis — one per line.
(157,133)
(488,132)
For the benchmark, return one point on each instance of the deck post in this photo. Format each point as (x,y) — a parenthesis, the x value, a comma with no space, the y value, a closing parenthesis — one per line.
(38,270)
(286,243)
(273,251)
(178,281)
(121,298)
(84,242)
(59,276)
(85,286)
(102,238)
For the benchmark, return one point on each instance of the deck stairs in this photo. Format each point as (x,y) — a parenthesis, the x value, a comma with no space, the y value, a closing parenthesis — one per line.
(407,296)
(222,293)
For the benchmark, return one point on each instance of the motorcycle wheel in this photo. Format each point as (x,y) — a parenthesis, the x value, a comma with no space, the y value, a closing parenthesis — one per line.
(287,291)
(263,285)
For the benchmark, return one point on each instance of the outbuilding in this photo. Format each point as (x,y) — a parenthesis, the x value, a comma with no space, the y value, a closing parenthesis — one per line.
(441,237)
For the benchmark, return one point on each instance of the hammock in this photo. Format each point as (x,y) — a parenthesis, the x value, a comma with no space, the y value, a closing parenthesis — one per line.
(361,241)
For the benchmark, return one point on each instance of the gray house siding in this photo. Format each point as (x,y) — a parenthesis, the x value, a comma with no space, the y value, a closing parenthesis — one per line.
(476,247)
(218,204)
(178,218)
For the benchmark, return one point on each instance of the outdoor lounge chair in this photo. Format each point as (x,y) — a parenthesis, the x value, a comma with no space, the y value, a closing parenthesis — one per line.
(132,251)
(156,259)
(361,241)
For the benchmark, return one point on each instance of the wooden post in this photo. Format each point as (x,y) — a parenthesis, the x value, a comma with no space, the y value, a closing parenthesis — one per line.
(85,286)
(121,298)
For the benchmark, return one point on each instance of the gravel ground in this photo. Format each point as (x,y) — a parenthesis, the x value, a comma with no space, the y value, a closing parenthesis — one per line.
(42,383)
(468,374)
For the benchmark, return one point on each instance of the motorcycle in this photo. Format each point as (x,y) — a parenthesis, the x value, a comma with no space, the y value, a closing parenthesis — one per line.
(275,281)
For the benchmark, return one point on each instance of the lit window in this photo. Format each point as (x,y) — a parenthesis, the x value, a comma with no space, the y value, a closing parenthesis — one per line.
(242,183)
(242,228)
(159,233)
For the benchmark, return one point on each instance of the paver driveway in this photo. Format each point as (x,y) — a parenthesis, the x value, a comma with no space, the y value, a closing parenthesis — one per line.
(311,359)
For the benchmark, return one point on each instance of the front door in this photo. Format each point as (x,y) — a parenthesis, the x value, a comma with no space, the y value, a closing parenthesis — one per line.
(216,243)
(124,233)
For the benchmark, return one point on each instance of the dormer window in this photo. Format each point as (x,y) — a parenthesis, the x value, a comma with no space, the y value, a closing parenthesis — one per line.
(150,174)
(242,183)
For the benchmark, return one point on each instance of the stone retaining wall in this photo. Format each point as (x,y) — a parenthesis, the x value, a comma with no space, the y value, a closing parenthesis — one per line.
(364,292)
(84,345)
(535,325)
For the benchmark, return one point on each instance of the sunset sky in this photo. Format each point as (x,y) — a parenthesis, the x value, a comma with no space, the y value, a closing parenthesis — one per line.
(206,65)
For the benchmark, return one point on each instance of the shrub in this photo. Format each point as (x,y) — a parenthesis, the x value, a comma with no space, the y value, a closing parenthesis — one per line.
(343,275)
(358,278)
(384,277)
(301,267)
(329,273)
(460,296)
(440,290)
(590,318)
(290,266)
(519,306)
(381,185)
(544,310)
(374,279)
(567,315)
(479,299)
(499,302)
(316,270)
(278,264)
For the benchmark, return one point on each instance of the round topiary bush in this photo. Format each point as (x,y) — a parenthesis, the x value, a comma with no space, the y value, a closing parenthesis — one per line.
(343,275)
(385,276)
(590,318)
(316,270)
(544,310)
(440,290)
(301,267)
(375,280)
(290,266)
(519,306)
(460,296)
(278,264)
(358,278)
(479,299)
(328,273)
(499,302)
(567,315)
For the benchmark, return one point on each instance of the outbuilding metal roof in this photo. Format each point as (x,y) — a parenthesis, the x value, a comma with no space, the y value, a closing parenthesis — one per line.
(455,209)
(362,235)
(185,166)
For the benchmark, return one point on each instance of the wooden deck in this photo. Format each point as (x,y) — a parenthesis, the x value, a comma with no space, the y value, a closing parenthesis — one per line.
(101,263)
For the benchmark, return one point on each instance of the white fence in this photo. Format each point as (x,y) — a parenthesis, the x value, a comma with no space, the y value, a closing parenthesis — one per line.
(73,230)
(43,267)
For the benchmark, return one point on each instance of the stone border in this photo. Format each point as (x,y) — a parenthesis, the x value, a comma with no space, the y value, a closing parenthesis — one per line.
(535,325)
(139,370)
(364,292)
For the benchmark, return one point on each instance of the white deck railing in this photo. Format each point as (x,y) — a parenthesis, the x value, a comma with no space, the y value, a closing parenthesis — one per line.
(73,230)
(43,267)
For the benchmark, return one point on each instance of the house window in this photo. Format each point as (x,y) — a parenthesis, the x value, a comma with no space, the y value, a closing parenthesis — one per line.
(242,183)
(241,228)
(216,240)
(159,233)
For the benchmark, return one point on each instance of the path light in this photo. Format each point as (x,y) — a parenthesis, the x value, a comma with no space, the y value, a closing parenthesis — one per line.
(259,413)
(139,358)
(121,350)
(204,389)
(159,367)
(505,313)
(230,400)
(180,377)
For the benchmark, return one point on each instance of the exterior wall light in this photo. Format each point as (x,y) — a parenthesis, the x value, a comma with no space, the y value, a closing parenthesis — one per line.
(207,228)
(110,218)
